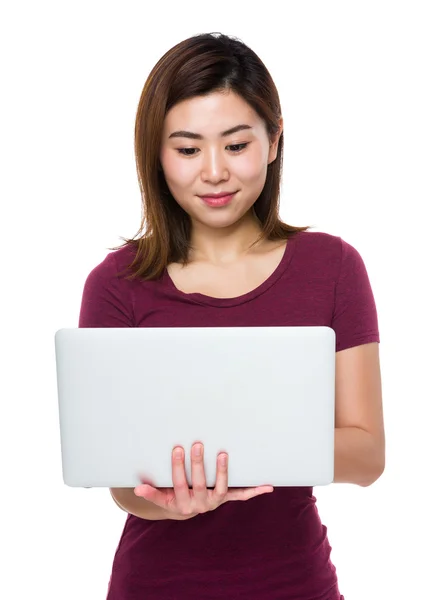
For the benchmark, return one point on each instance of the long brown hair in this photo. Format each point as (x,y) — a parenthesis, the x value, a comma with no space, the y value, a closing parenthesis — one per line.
(197,66)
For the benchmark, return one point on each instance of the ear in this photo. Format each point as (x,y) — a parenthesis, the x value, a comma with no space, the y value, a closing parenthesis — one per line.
(272,155)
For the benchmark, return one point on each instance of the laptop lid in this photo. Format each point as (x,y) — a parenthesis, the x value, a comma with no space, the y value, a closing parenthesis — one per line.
(265,395)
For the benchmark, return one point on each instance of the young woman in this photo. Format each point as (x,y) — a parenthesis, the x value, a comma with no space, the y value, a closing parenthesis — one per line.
(208,144)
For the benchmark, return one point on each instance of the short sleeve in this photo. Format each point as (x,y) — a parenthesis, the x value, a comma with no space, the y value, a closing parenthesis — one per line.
(106,299)
(355,319)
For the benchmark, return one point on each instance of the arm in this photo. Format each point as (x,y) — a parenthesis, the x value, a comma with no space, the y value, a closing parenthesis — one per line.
(126,499)
(359,427)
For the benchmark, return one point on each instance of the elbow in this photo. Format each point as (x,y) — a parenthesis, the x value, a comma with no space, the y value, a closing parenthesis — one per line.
(374,474)
(114,491)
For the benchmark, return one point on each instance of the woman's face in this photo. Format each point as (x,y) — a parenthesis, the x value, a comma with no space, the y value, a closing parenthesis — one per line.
(203,161)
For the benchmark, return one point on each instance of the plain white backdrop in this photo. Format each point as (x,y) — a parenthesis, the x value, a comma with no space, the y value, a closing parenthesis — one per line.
(353,82)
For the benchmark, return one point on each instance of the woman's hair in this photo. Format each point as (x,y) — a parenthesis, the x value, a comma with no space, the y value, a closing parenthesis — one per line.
(197,66)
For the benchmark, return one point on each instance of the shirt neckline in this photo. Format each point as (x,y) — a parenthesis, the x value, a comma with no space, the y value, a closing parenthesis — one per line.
(237,300)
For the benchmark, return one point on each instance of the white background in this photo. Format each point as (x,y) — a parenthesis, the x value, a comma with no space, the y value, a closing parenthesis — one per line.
(353,82)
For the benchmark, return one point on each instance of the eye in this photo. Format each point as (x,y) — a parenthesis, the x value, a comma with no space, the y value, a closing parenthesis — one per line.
(185,151)
(190,151)
(239,146)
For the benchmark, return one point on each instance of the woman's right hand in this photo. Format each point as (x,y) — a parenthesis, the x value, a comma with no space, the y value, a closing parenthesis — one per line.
(181,502)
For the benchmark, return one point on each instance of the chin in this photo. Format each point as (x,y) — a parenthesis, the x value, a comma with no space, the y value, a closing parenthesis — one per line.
(218,218)
(216,223)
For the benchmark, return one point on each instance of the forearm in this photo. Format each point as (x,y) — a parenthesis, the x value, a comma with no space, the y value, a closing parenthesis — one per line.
(126,499)
(358,458)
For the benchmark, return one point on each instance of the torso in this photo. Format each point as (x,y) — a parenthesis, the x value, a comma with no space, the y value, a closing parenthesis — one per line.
(284,527)
(230,280)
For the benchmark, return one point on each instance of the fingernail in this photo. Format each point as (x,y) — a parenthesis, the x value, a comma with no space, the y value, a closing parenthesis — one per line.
(198,450)
(177,453)
(223,460)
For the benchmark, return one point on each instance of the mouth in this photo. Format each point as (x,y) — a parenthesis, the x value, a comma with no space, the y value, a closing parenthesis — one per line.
(218,199)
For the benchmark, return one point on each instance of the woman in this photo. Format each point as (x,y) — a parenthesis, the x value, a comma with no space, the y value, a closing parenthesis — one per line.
(209,143)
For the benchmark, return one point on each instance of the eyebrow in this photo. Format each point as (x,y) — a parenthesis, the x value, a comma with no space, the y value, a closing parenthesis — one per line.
(197,136)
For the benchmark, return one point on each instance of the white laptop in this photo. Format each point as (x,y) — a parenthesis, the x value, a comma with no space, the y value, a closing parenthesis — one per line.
(265,395)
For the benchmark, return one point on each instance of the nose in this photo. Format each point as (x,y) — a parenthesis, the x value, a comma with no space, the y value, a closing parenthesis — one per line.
(214,167)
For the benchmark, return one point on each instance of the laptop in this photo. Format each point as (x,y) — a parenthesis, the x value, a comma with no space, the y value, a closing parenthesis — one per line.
(265,395)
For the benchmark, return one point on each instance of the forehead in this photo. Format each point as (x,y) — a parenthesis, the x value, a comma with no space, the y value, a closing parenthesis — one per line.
(211,114)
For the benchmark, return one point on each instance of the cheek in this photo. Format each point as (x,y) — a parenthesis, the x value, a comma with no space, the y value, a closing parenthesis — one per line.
(251,169)
(178,172)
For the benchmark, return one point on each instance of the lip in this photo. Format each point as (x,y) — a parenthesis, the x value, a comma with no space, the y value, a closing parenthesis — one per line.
(218,200)
(218,195)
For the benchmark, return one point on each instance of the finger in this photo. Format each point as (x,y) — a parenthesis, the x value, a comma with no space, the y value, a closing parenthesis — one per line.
(221,487)
(248,493)
(199,487)
(180,483)
(159,497)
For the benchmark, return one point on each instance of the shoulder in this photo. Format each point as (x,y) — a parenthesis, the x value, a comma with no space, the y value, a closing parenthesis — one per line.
(114,266)
(328,252)
(319,251)
(107,300)
(319,239)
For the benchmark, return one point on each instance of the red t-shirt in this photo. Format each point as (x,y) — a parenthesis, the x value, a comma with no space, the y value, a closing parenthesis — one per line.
(275,545)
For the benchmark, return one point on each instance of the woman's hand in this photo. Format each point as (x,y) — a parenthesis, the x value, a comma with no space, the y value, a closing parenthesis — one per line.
(180,502)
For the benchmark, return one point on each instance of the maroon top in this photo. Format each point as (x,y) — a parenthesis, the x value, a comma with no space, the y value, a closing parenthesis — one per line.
(272,546)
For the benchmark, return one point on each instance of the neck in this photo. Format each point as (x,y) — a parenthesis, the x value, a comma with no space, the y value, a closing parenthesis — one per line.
(226,244)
